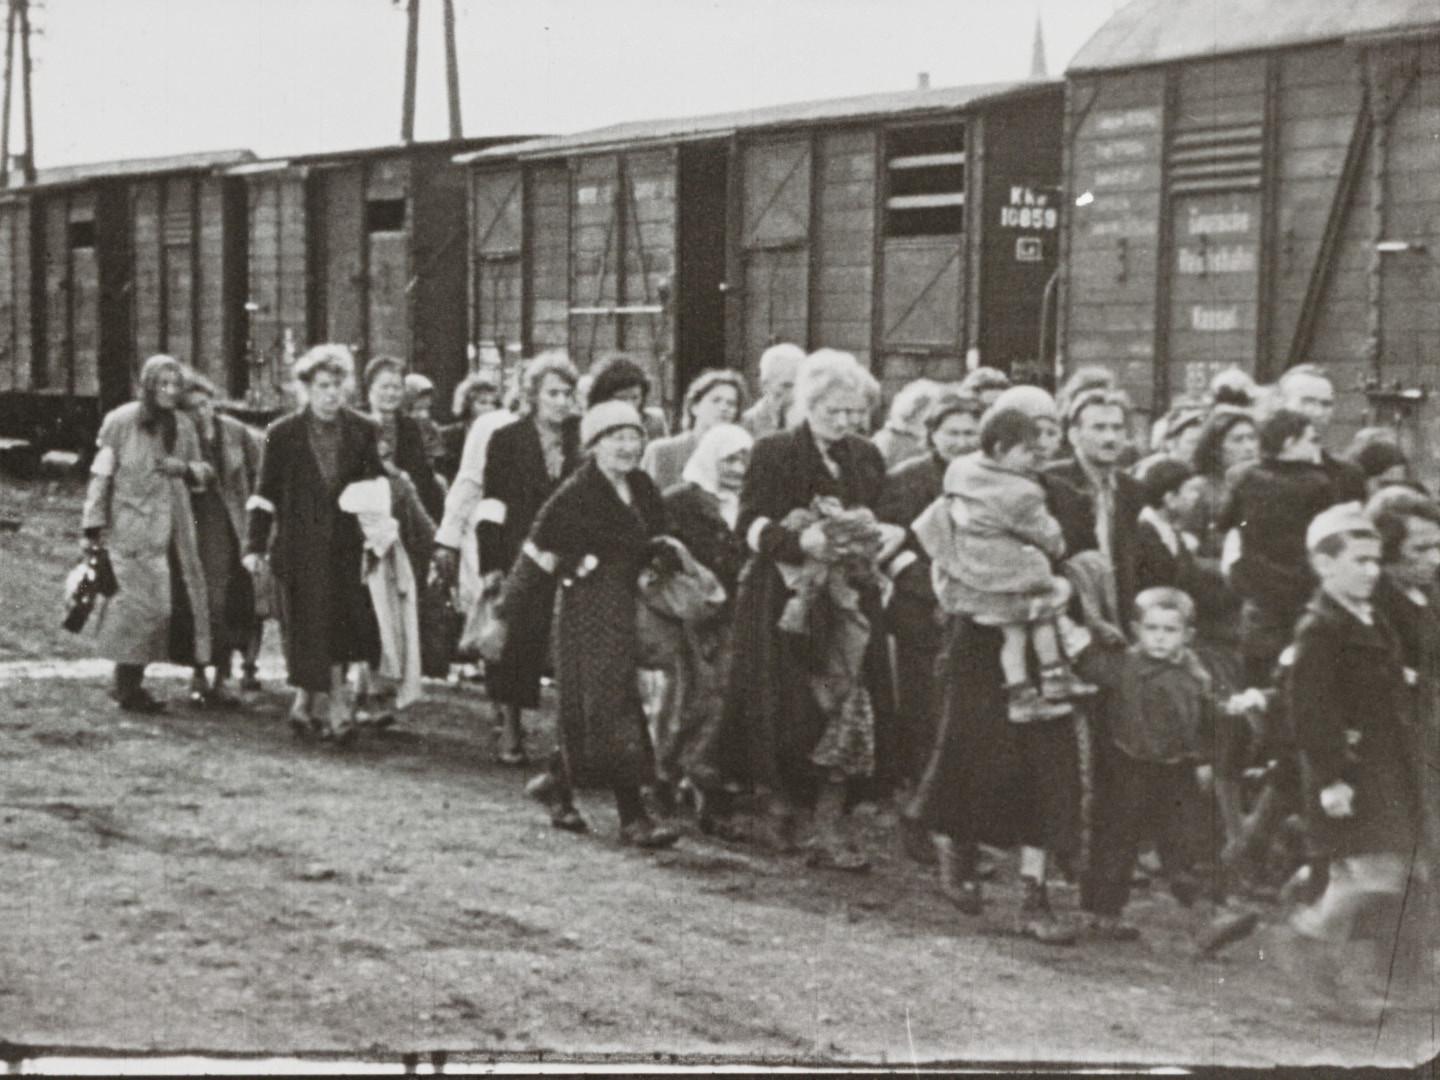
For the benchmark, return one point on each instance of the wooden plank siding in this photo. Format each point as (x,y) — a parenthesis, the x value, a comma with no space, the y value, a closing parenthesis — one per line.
(776,176)
(343,259)
(843,288)
(548,226)
(14,295)
(436,289)
(497,293)
(277,329)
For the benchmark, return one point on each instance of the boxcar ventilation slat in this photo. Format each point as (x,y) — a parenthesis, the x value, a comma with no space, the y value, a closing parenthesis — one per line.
(925,202)
(927,161)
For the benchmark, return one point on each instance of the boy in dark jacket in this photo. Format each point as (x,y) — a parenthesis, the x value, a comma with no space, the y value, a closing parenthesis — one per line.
(1345,696)
(1270,505)
(1157,715)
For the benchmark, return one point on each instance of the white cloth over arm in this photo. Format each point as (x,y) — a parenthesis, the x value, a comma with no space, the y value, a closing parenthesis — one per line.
(463,504)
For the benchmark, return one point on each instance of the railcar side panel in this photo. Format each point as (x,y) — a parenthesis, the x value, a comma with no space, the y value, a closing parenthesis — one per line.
(277,327)
(179,262)
(436,286)
(548,222)
(14,295)
(210,289)
(1116,127)
(343,260)
(596,249)
(389,226)
(496,268)
(145,208)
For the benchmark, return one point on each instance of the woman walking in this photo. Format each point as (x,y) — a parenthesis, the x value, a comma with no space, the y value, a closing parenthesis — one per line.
(715,397)
(315,557)
(232,451)
(138,507)
(594,537)
(401,440)
(524,464)
(807,488)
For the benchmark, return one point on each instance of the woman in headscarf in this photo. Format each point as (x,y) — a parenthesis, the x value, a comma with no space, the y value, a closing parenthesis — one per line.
(138,508)
(703,513)
(803,704)
(524,463)
(233,451)
(715,397)
(326,615)
(594,537)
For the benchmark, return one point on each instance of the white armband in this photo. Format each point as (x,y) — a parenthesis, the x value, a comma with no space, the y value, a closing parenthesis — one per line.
(104,463)
(491,510)
(546,560)
(900,562)
(752,535)
(259,502)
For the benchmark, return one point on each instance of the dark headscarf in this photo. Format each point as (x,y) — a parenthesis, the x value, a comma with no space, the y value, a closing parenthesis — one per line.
(152,416)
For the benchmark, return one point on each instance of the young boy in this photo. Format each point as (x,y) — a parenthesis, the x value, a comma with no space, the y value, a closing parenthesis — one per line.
(1270,505)
(1345,696)
(1156,716)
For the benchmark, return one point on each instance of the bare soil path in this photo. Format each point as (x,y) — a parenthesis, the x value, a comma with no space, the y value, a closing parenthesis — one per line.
(200,880)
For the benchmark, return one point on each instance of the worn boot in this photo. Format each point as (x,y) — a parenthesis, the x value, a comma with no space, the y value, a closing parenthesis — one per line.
(1059,683)
(960,889)
(830,848)
(1037,921)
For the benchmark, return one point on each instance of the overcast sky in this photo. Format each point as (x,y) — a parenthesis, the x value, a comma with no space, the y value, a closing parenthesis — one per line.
(136,78)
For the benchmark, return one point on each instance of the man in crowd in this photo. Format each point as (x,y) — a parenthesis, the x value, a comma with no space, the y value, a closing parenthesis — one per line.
(778,365)
(1306,389)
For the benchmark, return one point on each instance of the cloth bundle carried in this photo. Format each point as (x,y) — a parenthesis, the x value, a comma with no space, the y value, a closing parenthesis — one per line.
(671,602)
(393,590)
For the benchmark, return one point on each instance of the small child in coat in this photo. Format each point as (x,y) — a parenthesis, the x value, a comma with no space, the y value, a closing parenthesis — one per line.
(1157,719)
(1006,542)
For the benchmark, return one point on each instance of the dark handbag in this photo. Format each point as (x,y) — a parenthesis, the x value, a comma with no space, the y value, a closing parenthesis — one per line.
(88,582)
(440,626)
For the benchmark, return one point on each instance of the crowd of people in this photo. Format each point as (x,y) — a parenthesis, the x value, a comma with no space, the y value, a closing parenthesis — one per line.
(999,614)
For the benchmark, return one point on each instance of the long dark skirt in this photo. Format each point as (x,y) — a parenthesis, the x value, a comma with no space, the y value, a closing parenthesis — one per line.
(771,722)
(990,780)
(227,584)
(514,679)
(604,741)
(917,639)
(326,616)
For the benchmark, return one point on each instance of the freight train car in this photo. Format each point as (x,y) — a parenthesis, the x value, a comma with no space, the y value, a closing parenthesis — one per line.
(913,229)
(1255,184)
(101,266)
(367,248)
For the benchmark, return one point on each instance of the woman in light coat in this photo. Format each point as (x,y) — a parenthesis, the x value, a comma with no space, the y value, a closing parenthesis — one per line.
(138,507)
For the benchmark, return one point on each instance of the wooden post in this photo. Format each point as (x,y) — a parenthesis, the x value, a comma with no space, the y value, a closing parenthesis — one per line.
(452,71)
(9,80)
(412,56)
(24,8)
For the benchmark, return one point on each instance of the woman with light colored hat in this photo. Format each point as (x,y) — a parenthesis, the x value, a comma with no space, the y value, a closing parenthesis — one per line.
(594,537)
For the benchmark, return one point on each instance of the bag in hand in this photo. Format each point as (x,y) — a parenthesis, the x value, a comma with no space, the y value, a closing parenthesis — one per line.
(681,588)
(88,582)
(485,632)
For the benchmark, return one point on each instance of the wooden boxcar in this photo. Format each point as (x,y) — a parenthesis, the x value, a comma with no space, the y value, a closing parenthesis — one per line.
(1256,184)
(367,248)
(100,267)
(912,229)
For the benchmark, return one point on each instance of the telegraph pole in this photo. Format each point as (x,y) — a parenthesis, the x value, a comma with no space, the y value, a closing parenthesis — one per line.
(452,71)
(9,79)
(23,6)
(17,20)
(412,58)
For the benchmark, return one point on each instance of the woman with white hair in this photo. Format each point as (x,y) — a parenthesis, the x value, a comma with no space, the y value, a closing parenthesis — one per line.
(138,506)
(778,739)
(315,550)
(904,436)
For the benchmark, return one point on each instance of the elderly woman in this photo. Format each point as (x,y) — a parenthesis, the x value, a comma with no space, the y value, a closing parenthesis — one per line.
(780,740)
(903,436)
(138,507)
(315,549)
(953,429)
(703,513)
(524,464)
(233,451)
(714,398)
(594,537)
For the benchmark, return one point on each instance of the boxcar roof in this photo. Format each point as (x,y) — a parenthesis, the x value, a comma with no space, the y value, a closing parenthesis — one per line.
(71,174)
(443,146)
(901,103)
(1156,31)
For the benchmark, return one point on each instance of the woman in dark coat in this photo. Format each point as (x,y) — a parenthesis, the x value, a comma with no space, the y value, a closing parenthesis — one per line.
(777,738)
(953,428)
(233,451)
(315,556)
(402,443)
(525,464)
(594,537)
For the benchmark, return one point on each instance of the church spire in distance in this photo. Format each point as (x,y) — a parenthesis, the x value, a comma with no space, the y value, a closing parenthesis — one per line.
(1038,68)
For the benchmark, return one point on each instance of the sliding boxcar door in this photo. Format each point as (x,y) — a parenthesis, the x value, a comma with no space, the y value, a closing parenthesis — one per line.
(496,269)
(389,223)
(775,244)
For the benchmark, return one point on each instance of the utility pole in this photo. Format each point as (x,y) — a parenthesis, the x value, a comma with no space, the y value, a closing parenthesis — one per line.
(452,71)
(23,6)
(17,20)
(9,78)
(412,58)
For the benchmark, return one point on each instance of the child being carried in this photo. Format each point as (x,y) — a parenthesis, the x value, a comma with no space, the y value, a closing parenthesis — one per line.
(1000,571)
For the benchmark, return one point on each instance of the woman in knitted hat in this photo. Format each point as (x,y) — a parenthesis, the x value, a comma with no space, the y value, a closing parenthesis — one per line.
(594,537)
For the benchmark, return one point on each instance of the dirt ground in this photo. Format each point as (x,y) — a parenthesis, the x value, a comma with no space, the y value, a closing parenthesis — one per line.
(201,881)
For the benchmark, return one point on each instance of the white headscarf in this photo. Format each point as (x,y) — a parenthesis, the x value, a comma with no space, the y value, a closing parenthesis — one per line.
(703,468)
